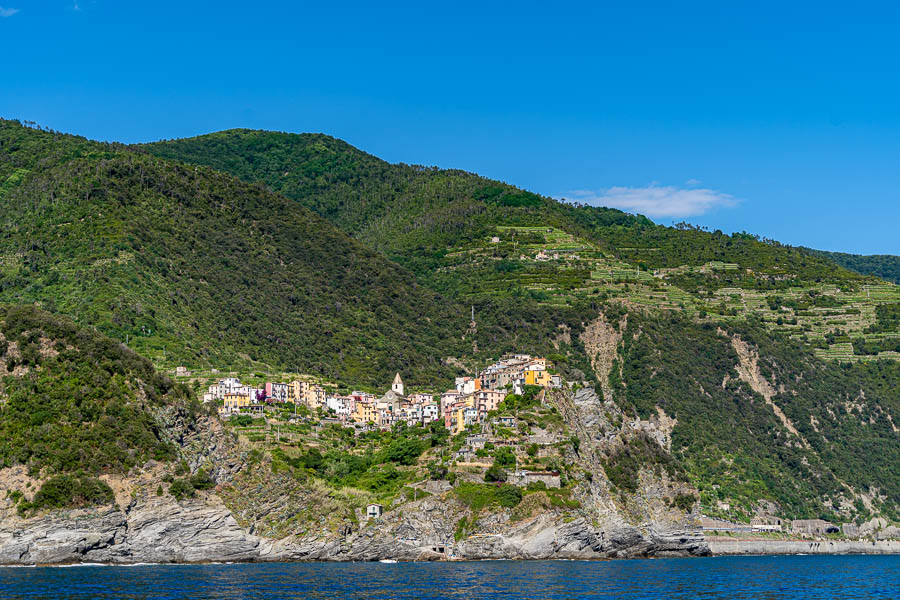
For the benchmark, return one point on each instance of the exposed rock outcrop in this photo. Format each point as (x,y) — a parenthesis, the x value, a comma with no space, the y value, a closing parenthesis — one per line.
(158,530)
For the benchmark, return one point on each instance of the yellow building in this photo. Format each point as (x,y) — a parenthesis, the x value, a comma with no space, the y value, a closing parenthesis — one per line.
(537,377)
(297,391)
(314,397)
(459,420)
(365,412)
(235,402)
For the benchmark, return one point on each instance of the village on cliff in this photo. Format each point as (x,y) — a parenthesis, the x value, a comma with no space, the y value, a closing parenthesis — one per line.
(468,403)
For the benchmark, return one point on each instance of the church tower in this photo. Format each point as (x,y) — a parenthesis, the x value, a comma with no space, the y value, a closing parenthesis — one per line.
(397,386)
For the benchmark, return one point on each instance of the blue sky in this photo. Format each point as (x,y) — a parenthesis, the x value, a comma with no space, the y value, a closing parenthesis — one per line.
(780,120)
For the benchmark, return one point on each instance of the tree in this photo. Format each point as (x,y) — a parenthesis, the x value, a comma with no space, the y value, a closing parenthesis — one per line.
(505,457)
(495,473)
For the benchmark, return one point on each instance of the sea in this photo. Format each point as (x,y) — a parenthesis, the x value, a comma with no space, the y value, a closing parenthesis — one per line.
(762,577)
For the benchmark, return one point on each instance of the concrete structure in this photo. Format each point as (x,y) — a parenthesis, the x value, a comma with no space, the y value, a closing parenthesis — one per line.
(365,412)
(522,478)
(276,392)
(538,377)
(766,524)
(233,403)
(314,397)
(468,385)
(430,413)
(813,527)
(487,400)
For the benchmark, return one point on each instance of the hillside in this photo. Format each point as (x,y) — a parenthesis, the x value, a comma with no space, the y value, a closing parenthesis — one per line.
(885,266)
(192,266)
(769,373)
(506,250)
(773,411)
(75,404)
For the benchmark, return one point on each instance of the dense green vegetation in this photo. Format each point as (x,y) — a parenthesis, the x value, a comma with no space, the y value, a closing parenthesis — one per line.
(191,266)
(65,491)
(731,442)
(76,401)
(74,404)
(623,466)
(248,249)
(194,266)
(376,461)
(416,214)
(477,241)
(886,266)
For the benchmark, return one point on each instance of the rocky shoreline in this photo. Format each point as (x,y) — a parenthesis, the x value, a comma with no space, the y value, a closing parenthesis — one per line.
(160,530)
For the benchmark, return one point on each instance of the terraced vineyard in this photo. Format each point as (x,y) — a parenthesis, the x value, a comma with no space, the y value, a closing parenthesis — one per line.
(559,269)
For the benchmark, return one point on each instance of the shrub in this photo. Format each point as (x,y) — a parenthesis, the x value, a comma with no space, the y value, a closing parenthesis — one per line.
(405,451)
(240,420)
(505,457)
(68,491)
(437,471)
(684,502)
(201,480)
(181,488)
(495,473)
(509,495)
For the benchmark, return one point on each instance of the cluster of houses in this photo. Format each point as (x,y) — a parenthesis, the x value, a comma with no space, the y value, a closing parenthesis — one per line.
(468,403)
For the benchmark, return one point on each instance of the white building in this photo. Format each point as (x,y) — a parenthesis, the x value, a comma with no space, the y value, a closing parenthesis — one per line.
(430,413)
(397,386)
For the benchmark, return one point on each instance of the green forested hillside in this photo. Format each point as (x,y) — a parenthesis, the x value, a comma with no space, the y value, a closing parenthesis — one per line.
(246,248)
(193,266)
(835,446)
(75,404)
(505,250)
(816,326)
(405,210)
(75,400)
(886,266)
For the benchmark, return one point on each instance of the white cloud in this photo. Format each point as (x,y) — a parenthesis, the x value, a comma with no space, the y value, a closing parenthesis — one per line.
(656,200)
(8,12)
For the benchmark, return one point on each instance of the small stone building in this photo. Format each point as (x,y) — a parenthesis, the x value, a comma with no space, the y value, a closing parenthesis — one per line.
(374,511)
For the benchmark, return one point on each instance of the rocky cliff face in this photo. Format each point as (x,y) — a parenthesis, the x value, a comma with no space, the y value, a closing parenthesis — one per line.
(255,515)
(203,530)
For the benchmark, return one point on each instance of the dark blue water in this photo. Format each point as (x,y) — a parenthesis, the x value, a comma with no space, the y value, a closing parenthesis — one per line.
(770,578)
